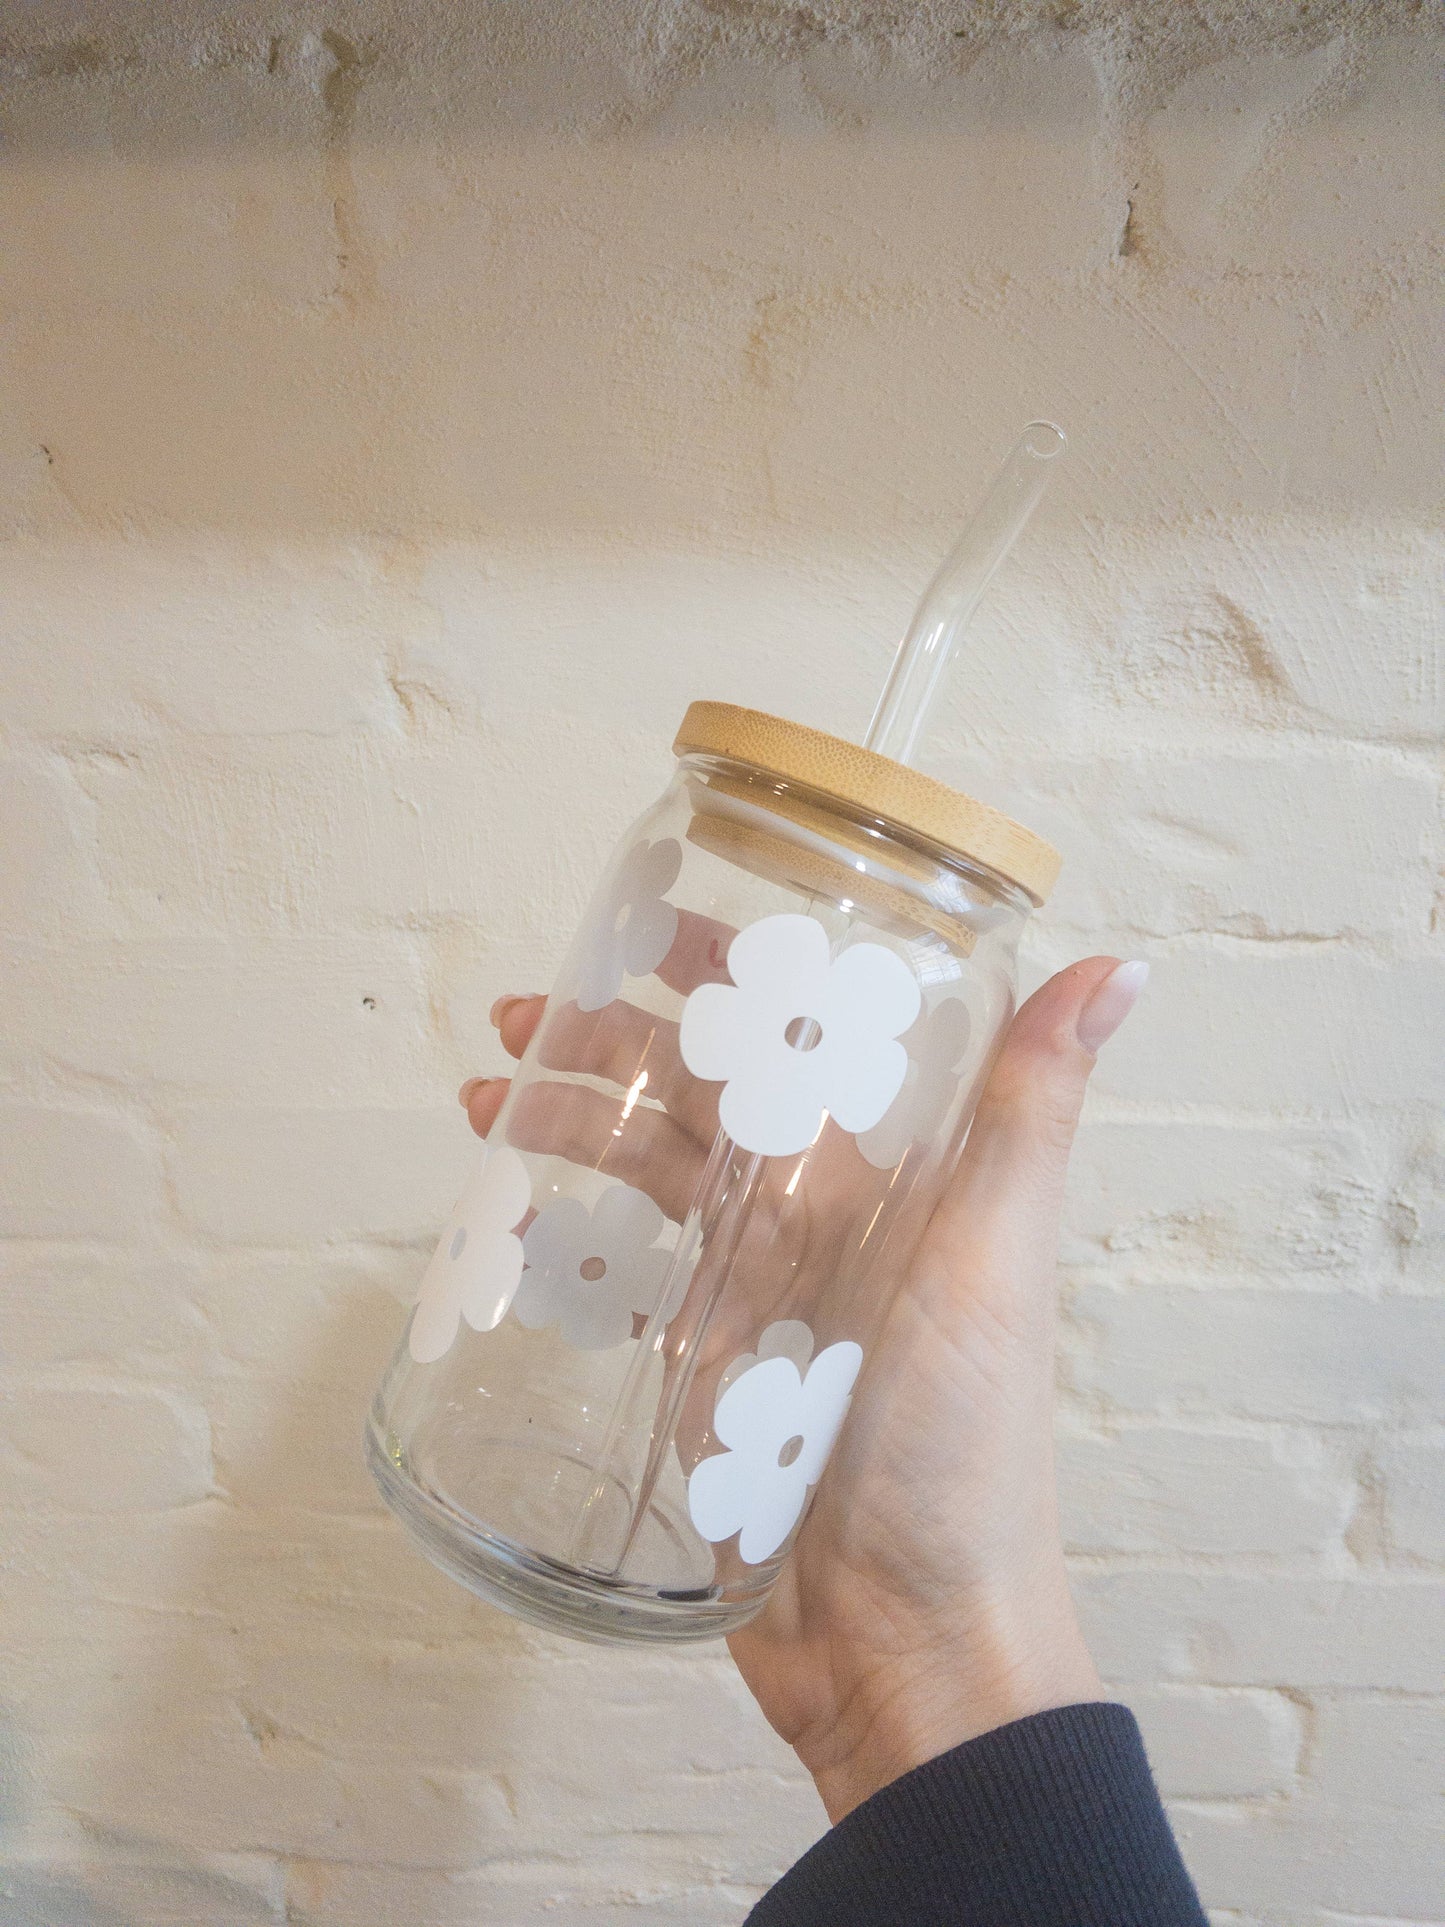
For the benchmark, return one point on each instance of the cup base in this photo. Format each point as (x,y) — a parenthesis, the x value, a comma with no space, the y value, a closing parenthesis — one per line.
(543,1591)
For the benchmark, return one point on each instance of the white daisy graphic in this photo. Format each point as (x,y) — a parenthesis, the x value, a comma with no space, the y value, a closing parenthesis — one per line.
(633,927)
(936,1046)
(779,1425)
(799,1036)
(589,1271)
(478,1260)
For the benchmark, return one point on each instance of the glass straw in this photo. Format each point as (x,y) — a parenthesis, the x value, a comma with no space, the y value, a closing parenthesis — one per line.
(955,592)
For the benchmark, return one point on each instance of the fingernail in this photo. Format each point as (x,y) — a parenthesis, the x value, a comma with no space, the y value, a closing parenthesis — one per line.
(1111,1004)
(472,1086)
(501,1007)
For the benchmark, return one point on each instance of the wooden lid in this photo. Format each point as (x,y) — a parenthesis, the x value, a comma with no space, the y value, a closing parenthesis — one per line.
(874,784)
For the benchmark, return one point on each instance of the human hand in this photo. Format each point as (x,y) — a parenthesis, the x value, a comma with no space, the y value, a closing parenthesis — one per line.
(926,1600)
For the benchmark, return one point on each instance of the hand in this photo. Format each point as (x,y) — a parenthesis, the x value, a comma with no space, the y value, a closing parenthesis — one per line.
(926,1600)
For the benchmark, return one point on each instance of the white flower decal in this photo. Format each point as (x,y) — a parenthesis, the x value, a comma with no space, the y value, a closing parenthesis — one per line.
(935,1047)
(797,1037)
(786,1338)
(589,1271)
(633,927)
(779,1425)
(476,1265)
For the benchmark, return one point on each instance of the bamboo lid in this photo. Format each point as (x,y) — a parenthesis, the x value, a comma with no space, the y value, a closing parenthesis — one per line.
(875,785)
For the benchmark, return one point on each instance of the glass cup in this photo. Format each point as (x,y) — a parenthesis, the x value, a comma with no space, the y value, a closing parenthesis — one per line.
(642,1329)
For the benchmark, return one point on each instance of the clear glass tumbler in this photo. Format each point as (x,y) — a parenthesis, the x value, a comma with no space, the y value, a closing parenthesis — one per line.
(642,1328)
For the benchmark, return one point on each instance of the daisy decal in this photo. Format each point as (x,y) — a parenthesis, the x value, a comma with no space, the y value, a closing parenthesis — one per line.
(798,1036)
(633,926)
(785,1338)
(589,1271)
(476,1265)
(779,1424)
(935,1046)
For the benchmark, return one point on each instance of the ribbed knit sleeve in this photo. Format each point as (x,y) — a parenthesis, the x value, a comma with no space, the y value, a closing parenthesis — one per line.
(1053,1821)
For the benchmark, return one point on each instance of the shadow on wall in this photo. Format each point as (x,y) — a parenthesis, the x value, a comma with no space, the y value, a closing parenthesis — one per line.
(602,69)
(458,249)
(704,267)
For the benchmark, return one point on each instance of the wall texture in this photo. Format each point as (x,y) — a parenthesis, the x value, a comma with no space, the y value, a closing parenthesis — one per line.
(403,411)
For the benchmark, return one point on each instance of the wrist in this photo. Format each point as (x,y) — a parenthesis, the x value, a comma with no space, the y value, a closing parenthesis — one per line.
(995,1662)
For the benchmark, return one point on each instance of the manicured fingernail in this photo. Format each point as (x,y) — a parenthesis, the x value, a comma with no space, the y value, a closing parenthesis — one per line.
(501,1007)
(472,1086)
(1111,1004)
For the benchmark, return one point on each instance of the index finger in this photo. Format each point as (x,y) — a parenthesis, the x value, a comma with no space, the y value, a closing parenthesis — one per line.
(699,953)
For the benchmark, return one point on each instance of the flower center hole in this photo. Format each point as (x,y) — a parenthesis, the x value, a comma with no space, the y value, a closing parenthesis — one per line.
(804,1033)
(592,1269)
(790,1451)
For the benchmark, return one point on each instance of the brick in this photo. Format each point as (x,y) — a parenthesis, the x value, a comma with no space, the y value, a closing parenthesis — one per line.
(602,627)
(314,833)
(430,1706)
(1412,1465)
(298,1442)
(232,1570)
(554,332)
(280,1176)
(399,1703)
(52,878)
(1265,1629)
(95,1448)
(1306,1917)
(127,1309)
(223,1890)
(273,1314)
(1211,1744)
(1319,1917)
(193,1315)
(1164,845)
(1389,681)
(694,1733)
(115,641)
(1307,389)
(1239,148)
(1417,1205)
(367,1698)
(231,1786)
(334,1894)
(1377,1753)
(1219,1025)
(1170,1489)
(856,168)
(71,1173)
(321,1021)
(230,1773)
(1181,1196)
(1301,1355)
(1261,627)
(1325,1858)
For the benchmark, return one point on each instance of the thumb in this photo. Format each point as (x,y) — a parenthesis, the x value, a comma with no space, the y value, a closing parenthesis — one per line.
(1006,1198)
(1036,1089)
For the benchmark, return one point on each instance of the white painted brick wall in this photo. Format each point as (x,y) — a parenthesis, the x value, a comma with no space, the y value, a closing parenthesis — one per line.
(401,418)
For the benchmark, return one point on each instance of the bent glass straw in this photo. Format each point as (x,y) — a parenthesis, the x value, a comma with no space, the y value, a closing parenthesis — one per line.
(957,589)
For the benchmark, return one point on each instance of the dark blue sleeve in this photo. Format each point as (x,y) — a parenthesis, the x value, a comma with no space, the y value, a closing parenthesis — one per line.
(1053,1821)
